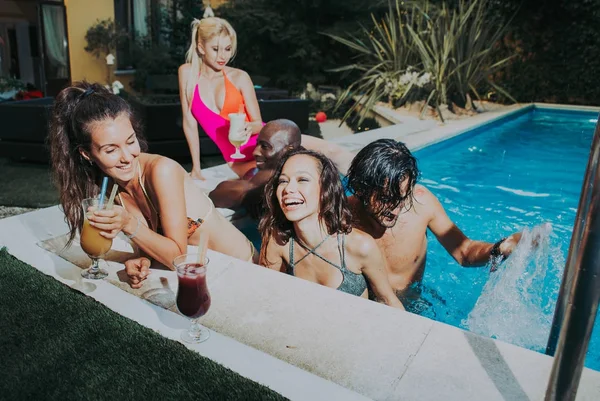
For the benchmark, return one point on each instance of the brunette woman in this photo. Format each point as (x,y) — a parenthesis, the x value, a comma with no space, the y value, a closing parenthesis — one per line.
(94,134)
(307,232)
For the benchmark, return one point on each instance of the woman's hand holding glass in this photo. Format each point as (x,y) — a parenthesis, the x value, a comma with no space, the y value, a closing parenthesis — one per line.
(239,133)
(92,240)
(252,127)
(111,221)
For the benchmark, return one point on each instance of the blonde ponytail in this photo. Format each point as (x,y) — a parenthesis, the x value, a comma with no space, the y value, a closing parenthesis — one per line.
(194,59)
(203,30)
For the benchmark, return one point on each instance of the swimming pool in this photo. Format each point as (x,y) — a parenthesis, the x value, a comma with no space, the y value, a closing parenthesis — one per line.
(522,171)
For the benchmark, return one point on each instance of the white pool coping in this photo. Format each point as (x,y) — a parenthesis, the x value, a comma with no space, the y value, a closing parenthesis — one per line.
(309,342)
(20,235)
(558,106)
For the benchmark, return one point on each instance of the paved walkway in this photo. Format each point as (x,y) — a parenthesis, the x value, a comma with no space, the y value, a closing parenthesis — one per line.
(7,211)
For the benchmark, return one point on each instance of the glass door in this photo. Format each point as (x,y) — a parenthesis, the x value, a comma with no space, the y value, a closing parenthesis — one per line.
(55,47)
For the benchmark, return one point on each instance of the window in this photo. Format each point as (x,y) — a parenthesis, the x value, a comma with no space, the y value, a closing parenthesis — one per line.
(131,15)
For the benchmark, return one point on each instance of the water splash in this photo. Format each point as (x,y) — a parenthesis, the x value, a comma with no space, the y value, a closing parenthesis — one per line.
(517,302)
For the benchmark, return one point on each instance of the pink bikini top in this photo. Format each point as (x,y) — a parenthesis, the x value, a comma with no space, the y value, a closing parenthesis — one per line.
(216,125)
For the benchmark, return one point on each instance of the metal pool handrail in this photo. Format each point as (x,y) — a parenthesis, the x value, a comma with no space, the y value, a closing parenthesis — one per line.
(580,289)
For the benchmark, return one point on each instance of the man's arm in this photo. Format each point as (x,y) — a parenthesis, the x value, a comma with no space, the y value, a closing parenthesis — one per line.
(465,251)
(338,155)
(231,194)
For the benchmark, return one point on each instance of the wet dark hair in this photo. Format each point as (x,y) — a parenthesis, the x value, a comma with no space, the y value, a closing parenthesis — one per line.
(76,109)
(334,210)
(377,172)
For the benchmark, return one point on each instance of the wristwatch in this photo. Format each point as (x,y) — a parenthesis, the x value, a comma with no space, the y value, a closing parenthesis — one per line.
(495,253)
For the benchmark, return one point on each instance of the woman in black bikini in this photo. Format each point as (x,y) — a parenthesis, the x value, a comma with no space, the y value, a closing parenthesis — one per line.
(306,230)
(93,133)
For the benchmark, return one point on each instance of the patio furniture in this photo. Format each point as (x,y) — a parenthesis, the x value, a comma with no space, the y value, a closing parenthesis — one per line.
(24,125)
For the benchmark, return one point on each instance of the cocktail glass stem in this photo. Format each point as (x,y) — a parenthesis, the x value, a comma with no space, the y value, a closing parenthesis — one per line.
(196,333)
(94,267)
(94,271)
(195,329)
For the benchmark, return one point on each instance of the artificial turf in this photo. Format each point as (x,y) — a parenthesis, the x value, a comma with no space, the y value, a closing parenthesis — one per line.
(58,344)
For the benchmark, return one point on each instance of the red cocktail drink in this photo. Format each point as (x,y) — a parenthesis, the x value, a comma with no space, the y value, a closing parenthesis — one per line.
(193,298)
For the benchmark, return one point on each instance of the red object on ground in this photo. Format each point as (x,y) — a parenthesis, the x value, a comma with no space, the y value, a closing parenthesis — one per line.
(321,117)
(27,95)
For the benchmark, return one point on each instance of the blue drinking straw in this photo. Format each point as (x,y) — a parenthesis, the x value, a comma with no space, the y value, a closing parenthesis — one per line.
(102,192)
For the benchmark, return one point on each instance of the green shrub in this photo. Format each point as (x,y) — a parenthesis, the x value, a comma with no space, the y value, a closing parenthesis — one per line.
(282,40)
(457,47)
(103,38)
(558,53)
(420,51)
(382,54)
(9,84)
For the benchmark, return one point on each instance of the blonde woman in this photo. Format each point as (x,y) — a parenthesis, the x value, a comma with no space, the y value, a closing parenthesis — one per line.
(210,91)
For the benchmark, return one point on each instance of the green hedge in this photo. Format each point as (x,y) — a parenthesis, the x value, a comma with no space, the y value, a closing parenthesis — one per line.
(558,42)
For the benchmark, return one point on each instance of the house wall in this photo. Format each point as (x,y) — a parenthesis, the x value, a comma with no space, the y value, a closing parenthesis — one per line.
(81,15)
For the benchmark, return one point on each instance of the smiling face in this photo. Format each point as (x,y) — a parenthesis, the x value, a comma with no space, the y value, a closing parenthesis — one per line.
(216,51)
(270,146)
(114,147)
(299,188)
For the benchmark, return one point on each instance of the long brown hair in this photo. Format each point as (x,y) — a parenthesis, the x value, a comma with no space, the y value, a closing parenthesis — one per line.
(76,108)
(334,211)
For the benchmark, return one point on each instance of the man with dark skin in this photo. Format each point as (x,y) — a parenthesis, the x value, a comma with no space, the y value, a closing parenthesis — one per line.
(274,139)
(389,205)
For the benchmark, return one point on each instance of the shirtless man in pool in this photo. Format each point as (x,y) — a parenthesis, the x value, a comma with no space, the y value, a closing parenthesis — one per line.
(390,205)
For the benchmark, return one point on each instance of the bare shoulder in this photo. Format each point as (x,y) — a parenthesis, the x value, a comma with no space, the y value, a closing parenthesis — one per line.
(274,255)
(425,201)
(360,244)
(163,168)
(276,246)
(233,72)
(184,69)
(237,76)
(423,196)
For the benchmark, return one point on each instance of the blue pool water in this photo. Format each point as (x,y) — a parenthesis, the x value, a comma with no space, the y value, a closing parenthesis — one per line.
(516,174)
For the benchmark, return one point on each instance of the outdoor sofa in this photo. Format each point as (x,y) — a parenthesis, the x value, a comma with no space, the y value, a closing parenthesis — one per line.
(24,125)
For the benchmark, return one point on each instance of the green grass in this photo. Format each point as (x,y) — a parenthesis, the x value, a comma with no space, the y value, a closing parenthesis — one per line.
(58,344)
(26,184)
